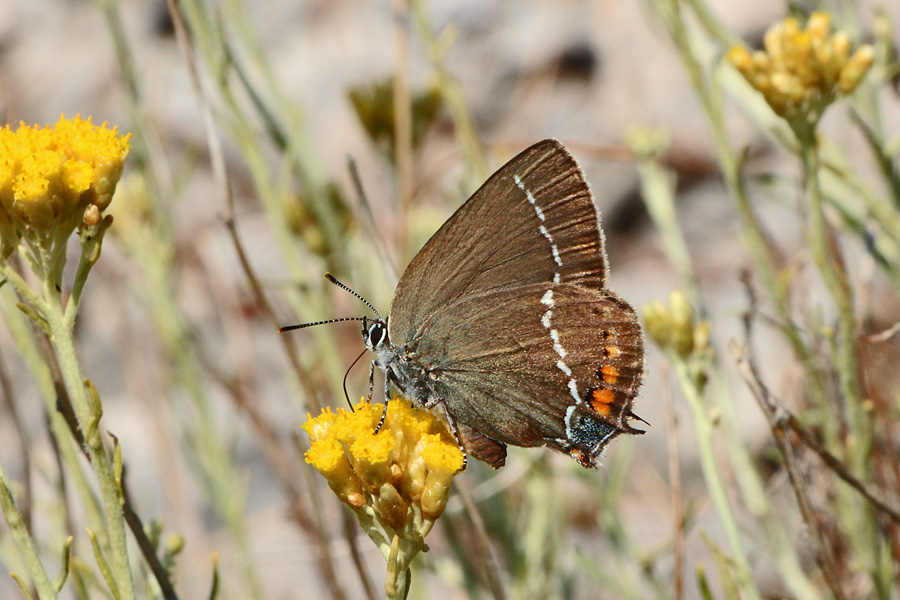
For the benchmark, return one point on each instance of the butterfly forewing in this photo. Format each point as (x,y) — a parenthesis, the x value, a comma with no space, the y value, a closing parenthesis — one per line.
(533,221)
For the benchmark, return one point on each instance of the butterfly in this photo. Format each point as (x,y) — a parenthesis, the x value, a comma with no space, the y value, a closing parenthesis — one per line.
(504,321)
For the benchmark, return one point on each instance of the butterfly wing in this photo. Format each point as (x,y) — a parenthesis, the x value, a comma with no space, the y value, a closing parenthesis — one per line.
(533,221)
(555,365)
(505,311)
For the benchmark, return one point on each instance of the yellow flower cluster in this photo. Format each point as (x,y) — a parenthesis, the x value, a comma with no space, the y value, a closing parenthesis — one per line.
(400,476)
(801,71)
(675,328)
(52,178)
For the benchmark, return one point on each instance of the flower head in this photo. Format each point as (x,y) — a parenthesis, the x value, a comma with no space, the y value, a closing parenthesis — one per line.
(397,480)
(400,475)
(802,71)
(50,176)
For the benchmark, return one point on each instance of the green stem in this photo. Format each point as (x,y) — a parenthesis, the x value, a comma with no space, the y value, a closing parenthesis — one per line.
(90,252)
(704,429)
(22,288)
(24,541)
(397,579)
(657,192)
(110,490)
(833,274)
(657,187)
(22,334)
(828,260)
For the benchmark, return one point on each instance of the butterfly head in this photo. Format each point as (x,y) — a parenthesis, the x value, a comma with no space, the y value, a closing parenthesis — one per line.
(375,334)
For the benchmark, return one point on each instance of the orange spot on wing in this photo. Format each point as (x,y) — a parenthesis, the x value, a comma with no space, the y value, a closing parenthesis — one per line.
(613,351)
(575,453)
(610,373)
(602,400)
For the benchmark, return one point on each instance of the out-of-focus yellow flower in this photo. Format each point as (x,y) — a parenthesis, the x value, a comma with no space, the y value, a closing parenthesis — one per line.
(50,176)
(678,333)
(675,328)
(802,71)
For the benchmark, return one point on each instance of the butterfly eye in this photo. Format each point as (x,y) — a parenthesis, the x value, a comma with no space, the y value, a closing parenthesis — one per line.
(376,334)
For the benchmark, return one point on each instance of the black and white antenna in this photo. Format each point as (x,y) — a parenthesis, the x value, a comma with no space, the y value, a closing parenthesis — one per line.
(331,278)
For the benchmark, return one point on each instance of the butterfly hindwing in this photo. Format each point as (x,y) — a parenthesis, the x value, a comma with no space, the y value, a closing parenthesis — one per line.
(555,365)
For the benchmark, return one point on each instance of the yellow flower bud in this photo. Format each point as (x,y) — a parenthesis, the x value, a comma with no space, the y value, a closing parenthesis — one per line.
(856,68)
(92,216)
(657,323)
(819,25)
(329,459)
(742,60)
(789,43)
(682,323)
(761,61)
(824,54)
(772,42)
(789,86)
(674,328)
(701,336)
(174,544)
(442,463)
(647,142)
(390,507)
(841,45)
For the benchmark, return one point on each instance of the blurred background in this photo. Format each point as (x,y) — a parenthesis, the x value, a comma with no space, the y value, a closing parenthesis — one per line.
(206,398)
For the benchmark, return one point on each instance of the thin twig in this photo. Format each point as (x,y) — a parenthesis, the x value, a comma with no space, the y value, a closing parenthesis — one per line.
(220,177)
(837,466)
(147,549)
(840,469)
(885,335)
(775,417)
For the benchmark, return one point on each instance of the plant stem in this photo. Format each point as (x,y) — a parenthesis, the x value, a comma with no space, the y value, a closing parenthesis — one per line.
(398,578)
(24,540)
(827,258)
(88,421)
(704,429)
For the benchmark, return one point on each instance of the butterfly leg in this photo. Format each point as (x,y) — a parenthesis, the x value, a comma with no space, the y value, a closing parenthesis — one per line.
(371,380)
(387,391)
